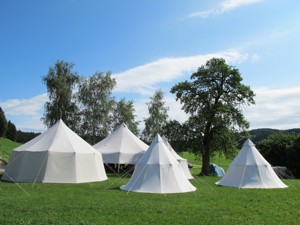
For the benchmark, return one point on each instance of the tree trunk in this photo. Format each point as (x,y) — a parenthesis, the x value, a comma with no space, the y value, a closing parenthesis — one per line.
(205,163)
(206,151)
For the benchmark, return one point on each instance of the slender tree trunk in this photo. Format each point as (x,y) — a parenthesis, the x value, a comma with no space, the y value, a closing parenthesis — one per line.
(206,151)
(205,162)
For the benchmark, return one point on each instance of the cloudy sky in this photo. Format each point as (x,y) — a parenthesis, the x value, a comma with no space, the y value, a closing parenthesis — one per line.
(149,45)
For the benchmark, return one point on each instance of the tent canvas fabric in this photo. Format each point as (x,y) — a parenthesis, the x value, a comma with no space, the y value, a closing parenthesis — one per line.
(249,169)
(216,170)
(158,172)
(121,147)
(183,162)
(56,156)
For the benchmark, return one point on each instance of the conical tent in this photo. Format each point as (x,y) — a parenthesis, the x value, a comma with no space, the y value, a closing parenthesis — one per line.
(183,162)
(56,156)
(121,147)
(249,169)
(158,172)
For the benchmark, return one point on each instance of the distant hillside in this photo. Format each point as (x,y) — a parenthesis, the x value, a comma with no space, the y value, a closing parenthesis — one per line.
(6,146)
(23,137)
(260,134)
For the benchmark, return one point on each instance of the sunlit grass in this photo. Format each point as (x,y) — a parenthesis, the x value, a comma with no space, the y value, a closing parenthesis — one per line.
(6,146)
(104,203)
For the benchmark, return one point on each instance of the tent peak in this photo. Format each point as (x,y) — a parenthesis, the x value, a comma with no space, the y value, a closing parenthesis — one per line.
(248,142)
(158,138)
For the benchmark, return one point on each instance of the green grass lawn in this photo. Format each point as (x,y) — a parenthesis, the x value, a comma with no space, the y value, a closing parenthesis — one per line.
(220,160)
(104,203)
(6,146)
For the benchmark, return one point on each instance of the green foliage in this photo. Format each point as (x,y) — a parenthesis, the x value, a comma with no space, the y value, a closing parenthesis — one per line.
(11,132)
(261,134)
(3,123)
(176,135)
(293,158)
(97,104)
(104,203)
(158,116)
(275,148)
(258,135)
(91,111)
(23,137)
(282,149)
(60,82)
(124,113)
(214,100)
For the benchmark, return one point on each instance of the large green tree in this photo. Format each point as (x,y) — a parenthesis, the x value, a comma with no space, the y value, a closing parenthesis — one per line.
(60,82)
(158,116)
(214,98)
(124,113)
(97,104)
(3,123)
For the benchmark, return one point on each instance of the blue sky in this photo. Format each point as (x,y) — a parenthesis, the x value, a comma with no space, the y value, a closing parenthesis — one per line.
(149,45)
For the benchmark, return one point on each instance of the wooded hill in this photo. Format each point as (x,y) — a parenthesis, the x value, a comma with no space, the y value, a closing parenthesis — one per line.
(262,133)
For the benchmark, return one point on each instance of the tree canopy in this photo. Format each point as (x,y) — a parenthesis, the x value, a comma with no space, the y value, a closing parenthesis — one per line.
(11,132)
(97,104)
(214,99)
(60,82)
(3,123)
(85,103)
(124,113)
(158,116)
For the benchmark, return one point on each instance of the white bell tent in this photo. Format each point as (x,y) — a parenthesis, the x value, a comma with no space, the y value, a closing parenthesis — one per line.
(121,147)
(183,162)
(56,156)
(249,169)
(158,172)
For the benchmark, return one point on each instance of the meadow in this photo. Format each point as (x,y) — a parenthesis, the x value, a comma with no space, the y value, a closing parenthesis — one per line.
(6,146)
(104,203)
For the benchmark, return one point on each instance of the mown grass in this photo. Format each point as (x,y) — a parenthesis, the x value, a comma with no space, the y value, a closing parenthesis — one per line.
(104,203)
(6,146)
(220,160)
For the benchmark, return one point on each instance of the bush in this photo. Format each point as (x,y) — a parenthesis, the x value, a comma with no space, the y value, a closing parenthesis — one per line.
(281,149)
(293,157)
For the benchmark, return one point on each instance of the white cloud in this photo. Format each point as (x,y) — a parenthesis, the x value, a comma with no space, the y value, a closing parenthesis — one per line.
(142,79)
(25,113)
(25,107)
(224,6)
(275,108)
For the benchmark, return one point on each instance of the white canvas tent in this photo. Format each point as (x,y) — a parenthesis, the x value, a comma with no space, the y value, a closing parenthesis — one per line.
(121,147)
(56,156)
(183,162)
(158,172)
(249,169)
